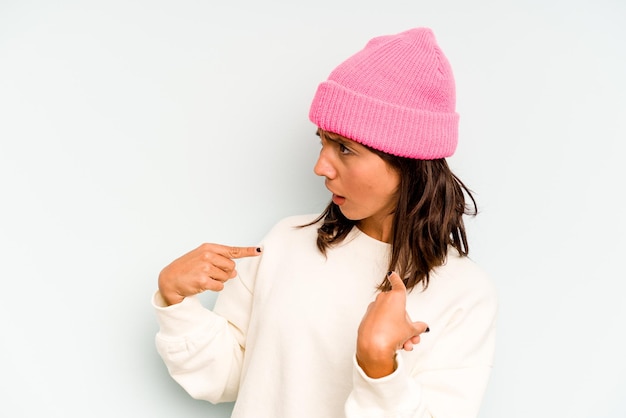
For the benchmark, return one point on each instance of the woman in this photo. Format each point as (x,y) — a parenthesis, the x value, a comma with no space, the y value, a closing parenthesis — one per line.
(371,309)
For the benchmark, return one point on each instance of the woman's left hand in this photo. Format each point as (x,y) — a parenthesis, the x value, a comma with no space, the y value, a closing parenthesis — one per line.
(386,328)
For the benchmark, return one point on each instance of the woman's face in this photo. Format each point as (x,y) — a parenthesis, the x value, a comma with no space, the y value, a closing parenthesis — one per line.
(363,185)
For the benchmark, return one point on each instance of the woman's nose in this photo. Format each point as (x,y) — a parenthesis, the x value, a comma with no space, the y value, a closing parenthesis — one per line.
(323,166)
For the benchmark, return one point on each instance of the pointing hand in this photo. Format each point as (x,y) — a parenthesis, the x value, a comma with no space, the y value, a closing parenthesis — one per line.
(207,267)
(386,328)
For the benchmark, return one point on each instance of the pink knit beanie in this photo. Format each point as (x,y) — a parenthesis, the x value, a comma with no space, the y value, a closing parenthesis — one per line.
(396,95)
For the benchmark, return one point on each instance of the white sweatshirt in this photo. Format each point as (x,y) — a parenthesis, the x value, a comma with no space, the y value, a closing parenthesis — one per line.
(281,338)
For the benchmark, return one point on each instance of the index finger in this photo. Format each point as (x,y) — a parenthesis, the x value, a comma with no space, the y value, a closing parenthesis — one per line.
(241,252)
(395,281)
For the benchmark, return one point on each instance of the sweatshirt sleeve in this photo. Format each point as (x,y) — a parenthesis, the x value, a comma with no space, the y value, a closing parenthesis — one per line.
(204,350)
(449,380)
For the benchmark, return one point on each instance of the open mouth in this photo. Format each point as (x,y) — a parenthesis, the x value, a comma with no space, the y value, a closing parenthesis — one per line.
(338,200)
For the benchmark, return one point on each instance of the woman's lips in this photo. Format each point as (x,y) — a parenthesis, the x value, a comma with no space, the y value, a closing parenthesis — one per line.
(338,200)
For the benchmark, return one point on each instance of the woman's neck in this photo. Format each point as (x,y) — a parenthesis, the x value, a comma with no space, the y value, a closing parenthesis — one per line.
(379,229)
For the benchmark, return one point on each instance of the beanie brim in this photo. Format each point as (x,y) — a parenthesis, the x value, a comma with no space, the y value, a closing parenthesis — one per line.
(397,130)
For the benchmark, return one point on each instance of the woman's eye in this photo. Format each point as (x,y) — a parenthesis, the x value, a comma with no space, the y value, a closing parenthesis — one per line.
(343,149)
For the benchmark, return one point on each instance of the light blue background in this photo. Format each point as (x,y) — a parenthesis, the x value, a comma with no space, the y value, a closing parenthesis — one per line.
(133,131)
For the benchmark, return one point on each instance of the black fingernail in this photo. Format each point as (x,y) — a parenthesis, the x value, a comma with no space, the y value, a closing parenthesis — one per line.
(389,273)
(427,329)
(258,249)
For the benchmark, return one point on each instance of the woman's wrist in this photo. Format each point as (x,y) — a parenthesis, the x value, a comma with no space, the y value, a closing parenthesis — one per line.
(377,365)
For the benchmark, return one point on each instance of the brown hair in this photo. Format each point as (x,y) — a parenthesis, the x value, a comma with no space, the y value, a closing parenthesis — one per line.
(427,219)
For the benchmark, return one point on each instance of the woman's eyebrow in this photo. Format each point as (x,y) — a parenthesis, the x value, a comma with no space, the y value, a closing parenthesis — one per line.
(336,139)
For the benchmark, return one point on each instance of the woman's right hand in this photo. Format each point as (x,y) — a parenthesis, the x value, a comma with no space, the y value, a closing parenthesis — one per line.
(207,267)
